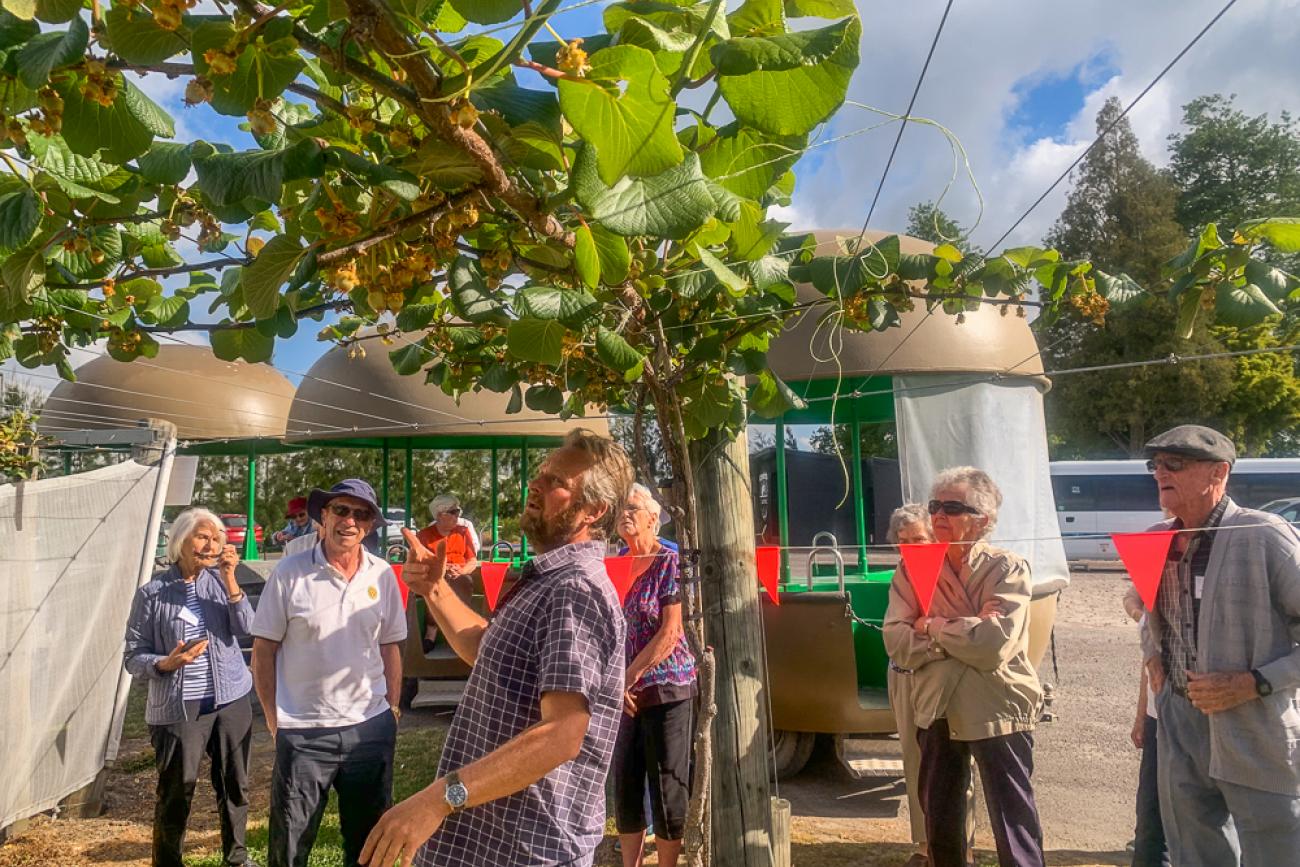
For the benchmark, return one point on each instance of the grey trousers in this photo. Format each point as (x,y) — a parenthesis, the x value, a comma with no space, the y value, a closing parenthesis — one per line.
(1208,822)
(900,699)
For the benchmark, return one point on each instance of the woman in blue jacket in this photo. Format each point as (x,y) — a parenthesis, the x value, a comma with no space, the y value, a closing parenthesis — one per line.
(182,638)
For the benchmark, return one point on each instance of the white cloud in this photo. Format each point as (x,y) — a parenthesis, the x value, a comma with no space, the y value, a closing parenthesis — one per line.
(988,48)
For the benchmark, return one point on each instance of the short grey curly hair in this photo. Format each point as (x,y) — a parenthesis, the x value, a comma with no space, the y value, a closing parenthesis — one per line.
(185,525)
(984,493)
(909,513)
(647,499)
(442,503)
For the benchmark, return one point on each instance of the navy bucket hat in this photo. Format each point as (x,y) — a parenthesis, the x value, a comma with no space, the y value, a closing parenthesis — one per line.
(356,488)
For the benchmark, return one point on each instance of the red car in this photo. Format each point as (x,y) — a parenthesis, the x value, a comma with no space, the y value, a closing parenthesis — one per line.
(237,526)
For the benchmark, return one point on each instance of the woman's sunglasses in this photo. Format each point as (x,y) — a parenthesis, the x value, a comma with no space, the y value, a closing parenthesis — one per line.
(952,508)
(361,514)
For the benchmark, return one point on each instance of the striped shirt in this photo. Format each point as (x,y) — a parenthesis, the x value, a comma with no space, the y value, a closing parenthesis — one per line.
(198,674)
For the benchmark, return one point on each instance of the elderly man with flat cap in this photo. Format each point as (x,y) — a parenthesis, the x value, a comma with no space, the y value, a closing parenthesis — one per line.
(1222,650)
(327,665)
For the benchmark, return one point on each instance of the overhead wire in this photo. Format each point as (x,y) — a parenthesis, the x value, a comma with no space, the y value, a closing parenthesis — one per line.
(1122,115)
(911,104)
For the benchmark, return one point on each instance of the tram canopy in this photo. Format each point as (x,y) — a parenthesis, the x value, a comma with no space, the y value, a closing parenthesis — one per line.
(206,398)
(363,401)
(818,360)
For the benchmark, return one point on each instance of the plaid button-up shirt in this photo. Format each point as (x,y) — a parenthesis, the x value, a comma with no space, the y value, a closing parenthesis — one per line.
(1179,598)
(560,629)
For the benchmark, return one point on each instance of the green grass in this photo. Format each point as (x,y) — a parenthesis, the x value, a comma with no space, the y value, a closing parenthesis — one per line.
(415,766)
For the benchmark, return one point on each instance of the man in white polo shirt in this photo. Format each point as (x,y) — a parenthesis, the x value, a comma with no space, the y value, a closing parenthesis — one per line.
(327,666)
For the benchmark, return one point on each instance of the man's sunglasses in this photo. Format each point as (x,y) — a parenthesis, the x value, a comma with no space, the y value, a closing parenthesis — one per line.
(952,508)
(296,515)
(1173,465)
(450,511)
(361,514)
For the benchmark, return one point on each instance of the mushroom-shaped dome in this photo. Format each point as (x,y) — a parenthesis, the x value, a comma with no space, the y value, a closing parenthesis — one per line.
(205,397)
(986,342)
(365,398)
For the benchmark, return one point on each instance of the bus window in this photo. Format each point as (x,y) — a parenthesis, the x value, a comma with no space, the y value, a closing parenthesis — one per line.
(1074,493)
(1253,490)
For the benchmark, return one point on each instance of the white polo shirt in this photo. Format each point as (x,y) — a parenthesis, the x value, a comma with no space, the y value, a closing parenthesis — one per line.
(328,671)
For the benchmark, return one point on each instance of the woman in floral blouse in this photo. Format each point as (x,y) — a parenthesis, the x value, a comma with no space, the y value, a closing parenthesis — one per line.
(654,740)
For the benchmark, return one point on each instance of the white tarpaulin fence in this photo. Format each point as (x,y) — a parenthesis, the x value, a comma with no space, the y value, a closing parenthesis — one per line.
(73,551)
(963,419)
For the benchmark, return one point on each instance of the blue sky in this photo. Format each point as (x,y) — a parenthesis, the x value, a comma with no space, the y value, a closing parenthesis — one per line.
(1017,81)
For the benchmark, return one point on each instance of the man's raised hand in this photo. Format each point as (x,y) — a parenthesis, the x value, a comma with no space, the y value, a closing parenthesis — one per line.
(424,567)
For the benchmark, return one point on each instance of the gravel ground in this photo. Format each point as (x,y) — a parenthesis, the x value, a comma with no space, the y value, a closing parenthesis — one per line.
(1085,777)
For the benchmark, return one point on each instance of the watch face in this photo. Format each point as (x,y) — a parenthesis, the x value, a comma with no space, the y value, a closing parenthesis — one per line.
(457,795)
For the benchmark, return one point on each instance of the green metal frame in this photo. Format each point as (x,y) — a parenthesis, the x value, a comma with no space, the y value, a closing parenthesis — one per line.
(250,530)
(496,506)
(864,400)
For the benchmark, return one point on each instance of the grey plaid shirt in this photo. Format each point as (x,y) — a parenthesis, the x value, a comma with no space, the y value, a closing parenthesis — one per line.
(560,629)
(1178,602)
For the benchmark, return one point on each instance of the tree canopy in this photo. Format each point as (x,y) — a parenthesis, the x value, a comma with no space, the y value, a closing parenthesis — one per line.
(1122,215)
(573,221)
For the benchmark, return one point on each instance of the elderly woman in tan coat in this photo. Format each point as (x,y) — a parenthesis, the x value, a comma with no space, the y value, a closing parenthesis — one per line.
(974,692)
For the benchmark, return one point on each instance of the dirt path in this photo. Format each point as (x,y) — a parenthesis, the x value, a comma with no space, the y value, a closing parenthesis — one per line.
(1085,776)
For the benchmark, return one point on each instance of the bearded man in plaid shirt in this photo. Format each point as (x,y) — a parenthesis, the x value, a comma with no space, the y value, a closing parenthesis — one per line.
(521,782)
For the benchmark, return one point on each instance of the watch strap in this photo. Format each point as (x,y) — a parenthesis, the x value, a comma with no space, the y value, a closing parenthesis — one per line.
(1262,686)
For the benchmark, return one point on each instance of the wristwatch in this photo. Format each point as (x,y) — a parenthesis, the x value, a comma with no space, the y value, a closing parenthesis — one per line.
(456,795)
(1262,686)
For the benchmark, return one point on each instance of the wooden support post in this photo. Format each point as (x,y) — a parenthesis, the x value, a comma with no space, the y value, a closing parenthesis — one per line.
(781,832)
(741,815)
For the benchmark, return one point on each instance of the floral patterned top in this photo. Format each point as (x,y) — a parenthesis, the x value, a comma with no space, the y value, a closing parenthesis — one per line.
(673,679)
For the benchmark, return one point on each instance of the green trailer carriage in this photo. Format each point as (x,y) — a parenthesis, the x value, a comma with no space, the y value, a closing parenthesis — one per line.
(826,660)
(363,403)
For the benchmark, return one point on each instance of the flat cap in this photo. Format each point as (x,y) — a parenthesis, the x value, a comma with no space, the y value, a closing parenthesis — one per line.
(1194,441)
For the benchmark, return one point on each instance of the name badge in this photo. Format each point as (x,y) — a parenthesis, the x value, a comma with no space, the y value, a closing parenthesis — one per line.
(1200,586)
(188,615)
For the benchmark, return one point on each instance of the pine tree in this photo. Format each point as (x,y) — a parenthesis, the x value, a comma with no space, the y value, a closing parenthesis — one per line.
(1120,214)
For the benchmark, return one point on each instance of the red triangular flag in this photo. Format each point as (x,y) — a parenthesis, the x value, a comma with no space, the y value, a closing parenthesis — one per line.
(768,560)
(924,563)
(401,585)
(494,575)
(620,575)
(1144,556)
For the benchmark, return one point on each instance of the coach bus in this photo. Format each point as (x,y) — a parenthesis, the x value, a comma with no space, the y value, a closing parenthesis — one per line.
(1097,498)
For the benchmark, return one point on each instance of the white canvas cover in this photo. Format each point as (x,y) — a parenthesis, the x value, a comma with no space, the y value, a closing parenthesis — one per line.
(947,420)
(73,550)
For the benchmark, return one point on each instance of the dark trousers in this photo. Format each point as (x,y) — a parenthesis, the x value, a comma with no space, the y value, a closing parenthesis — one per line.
(357,761)
(224,734)
(655,745)
(1006,765)
(1149,848)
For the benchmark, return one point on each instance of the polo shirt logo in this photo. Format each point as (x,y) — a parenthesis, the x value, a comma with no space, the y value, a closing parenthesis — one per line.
(373,591)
